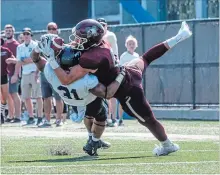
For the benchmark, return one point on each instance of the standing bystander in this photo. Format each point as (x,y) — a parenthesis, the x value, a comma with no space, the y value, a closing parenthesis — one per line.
(14,101)
(48,92)
(30,83)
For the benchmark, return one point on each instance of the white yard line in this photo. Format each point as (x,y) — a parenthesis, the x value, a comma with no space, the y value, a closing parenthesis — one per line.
(119,152)
(19,132)
(110,164)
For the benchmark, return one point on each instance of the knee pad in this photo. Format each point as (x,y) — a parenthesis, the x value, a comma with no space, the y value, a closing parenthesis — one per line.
(88,117)
(102,115)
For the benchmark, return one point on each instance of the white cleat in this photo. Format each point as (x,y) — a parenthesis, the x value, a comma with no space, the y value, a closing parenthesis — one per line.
(183,33)
(165,150)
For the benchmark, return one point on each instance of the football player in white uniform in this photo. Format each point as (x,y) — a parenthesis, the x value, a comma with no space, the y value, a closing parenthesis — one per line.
(82,93)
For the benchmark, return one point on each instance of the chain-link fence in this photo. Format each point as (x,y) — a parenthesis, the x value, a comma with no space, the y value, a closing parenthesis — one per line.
(187,75)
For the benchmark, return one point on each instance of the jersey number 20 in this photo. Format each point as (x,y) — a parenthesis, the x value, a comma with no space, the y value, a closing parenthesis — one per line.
(67,93)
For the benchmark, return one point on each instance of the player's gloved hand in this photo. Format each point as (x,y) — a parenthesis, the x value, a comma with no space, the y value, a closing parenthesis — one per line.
(78,116)
(45,43)
(47,47)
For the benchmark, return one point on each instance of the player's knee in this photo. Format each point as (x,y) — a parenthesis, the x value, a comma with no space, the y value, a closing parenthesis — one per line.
(88,118)
(149,119)
(102,116)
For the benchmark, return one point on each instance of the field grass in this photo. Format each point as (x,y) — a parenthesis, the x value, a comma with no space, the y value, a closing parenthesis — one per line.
(36,155)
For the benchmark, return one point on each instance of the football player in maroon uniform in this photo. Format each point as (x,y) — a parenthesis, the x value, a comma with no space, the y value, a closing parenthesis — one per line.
(98,59)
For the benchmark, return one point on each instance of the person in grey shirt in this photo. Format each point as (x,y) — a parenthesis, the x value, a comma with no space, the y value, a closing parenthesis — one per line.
(48,92)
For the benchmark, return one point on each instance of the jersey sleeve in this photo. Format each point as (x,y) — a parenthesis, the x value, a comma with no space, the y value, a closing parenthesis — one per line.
(89,60)
(91,82)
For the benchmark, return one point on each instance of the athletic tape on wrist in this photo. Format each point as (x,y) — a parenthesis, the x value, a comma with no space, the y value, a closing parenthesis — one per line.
(119,78)
(53,64)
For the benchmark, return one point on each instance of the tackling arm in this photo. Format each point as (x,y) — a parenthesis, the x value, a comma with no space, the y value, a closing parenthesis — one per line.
(108,92)
(75,73)
(105,92)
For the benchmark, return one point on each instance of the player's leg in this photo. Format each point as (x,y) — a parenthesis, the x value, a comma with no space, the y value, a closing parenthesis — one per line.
(88,122)
(136,105)
(158,50)
(98,110)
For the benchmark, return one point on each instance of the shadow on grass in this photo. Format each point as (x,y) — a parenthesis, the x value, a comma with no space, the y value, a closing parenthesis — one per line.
(79,159)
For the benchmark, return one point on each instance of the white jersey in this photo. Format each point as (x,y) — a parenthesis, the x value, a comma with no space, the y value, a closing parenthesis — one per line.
(76,93)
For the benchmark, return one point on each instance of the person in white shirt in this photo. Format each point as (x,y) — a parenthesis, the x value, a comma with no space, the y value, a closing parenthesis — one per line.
(30,83)
(111,39)
(131,44)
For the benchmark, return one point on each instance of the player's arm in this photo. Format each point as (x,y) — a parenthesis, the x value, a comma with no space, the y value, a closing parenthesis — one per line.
(38,60)
(84,67)
(105,92)
(108,92)
(75,73)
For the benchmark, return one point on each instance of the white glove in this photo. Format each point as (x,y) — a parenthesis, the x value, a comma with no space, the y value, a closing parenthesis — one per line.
(44,45)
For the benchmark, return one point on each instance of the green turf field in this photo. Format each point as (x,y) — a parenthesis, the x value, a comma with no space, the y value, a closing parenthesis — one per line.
(37,155)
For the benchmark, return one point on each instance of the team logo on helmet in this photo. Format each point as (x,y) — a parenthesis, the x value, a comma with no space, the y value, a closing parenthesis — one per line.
(92,31)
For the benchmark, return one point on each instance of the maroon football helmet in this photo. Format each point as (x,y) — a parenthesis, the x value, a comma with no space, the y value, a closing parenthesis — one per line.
(86,34)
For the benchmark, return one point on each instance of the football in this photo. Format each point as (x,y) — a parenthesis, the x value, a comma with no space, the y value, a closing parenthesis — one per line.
(57,43)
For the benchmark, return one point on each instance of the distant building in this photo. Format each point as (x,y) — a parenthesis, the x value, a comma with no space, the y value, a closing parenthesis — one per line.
(66,13)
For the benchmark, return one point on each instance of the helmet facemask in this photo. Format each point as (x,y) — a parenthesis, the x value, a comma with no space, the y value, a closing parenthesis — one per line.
(81,43)
(76,41)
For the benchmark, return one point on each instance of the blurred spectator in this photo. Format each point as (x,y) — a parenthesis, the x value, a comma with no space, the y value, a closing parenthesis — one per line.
(5,54)
(48,92)
(14,101)
(30,83)
(21,38)
(131,44)
(111,39)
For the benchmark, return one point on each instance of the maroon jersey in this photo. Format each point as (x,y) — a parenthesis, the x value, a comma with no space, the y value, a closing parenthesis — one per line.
(102,59)
(5,54)
(12,46)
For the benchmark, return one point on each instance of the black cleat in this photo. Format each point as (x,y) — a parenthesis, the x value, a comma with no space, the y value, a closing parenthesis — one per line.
(91,147)
(102,144)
